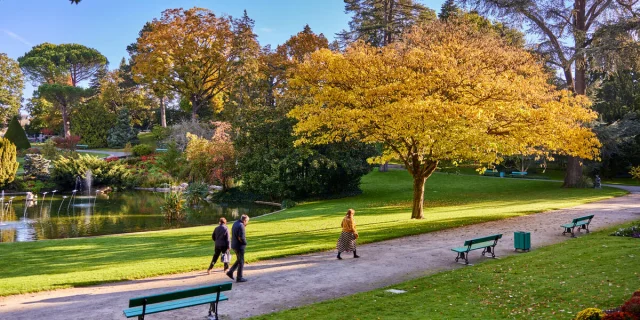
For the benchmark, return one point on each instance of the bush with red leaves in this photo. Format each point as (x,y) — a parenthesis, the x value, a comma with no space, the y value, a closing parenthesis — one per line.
(619,315)
(632,306)
(68,143)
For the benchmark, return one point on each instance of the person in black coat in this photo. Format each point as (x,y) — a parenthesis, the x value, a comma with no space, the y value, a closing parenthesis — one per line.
(238,244)
(221,238)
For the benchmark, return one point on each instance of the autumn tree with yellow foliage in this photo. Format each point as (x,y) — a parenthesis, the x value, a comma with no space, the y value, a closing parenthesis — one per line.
(189,51)
(445,92)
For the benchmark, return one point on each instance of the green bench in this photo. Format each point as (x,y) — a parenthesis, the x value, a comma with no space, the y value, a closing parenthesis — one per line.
(487,243)
(141,306)
(518,174)
(161,150)
(82,146)
(492,173)
(580,223)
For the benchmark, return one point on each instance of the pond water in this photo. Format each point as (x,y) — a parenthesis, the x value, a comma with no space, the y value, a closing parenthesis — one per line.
(119,212)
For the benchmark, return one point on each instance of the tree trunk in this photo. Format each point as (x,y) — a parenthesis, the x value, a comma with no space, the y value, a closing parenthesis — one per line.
(65,121)
(194,110)
(163,113)
(574,166)
(418,197)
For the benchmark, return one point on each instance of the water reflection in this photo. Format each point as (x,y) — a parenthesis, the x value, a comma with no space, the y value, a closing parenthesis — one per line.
(71,216)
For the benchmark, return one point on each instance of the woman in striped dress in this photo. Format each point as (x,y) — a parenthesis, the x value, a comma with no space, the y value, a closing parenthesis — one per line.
(347,240)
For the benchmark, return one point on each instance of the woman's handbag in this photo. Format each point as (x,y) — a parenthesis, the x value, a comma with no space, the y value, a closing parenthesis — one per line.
(226,257)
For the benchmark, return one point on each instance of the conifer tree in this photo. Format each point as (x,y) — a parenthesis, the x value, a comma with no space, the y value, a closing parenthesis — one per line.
(15,134)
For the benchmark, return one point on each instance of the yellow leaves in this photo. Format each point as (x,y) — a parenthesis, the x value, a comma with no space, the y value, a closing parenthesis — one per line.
(442,94)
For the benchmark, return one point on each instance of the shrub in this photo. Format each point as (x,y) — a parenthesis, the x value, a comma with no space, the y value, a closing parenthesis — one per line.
(160,133)
(66,170)
(92,122)
(111,159)
(214,160)
(632,231)
(170,160)
(632,306)
(590,314)
(16,134)
(32,151)
(635,172)
(35,165)
(636,294)
(67,143)
(8,163)
(288,203)
(619,315)
(49,150)
(142,150)
(196,192)
(122,132)
(173,207)
(179,133)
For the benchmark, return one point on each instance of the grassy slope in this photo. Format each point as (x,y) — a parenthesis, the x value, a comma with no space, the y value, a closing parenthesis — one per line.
(553,282)
(383,212)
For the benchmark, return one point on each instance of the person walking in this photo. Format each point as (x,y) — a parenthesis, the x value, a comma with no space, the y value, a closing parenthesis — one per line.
(238,244)
(222,240)
(347,240)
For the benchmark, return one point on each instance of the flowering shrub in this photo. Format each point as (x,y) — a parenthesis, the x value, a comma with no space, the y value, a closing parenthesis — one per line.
(632,306)
(632,231)
(111,159)
(590,314)
(619,315)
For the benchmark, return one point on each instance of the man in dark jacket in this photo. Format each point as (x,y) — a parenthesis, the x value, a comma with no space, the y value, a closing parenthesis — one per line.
(238,244)
(221,237)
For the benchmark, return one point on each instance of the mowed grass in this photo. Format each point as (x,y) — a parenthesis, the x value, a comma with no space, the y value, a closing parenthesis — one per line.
(383,212)
(554,282)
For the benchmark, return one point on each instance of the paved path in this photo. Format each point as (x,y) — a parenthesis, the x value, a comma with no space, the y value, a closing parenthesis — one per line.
(110,153)
(299,280)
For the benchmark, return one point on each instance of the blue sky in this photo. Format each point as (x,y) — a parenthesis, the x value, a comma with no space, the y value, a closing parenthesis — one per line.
(110,25)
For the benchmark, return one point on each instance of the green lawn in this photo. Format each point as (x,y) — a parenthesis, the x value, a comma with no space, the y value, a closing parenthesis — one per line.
(95,154)
(147,138)
(553,282)
(383,212)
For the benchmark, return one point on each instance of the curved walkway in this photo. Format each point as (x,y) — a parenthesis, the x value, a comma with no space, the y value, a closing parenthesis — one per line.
(299,280)
(110,153)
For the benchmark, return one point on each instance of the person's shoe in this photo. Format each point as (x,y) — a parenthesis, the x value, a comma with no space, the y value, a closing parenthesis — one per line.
(230,275)
(208,271)
(241,280)
(339,257)
(356,256)
(225,270)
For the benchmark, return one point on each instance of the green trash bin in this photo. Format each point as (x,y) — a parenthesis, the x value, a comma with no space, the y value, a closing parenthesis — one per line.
(522,240)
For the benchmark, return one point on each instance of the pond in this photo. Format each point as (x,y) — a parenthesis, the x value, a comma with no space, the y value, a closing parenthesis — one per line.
(119,212)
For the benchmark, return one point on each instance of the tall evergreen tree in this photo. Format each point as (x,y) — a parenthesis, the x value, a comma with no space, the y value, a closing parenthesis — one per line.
(380,22)
(448,9)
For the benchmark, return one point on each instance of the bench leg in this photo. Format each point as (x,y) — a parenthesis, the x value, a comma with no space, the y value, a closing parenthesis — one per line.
(213,311)
(586,227)
(569,230)
(462,255)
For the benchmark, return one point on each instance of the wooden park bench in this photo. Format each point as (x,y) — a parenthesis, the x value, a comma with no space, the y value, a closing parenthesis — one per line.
(580,223)
(141,306)
(492,173)
(161,150)
(82,146)
(518,174)
(488,245)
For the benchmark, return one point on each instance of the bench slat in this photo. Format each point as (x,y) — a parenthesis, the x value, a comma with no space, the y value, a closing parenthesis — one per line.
(579,219)
(483,239)
(175,295)
(172,305)
(475,246)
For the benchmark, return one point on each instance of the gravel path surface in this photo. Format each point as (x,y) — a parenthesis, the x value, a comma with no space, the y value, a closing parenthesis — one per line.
(299,280)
